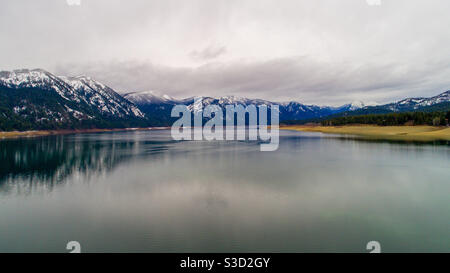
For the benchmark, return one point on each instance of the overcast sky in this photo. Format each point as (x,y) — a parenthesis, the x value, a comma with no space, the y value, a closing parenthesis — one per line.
(313,51)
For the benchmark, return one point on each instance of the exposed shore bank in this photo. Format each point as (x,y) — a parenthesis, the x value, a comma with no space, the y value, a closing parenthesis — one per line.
(18,134)
(407,133)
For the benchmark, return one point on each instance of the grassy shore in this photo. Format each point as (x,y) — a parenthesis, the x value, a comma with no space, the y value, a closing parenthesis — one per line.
(408,133)
(17,134)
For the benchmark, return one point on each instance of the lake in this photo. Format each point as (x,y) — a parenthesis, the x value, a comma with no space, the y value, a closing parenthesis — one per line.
(140,191)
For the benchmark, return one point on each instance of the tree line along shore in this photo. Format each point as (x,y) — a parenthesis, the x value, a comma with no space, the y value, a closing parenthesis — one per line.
(408,133)
(421,126)
(413,126)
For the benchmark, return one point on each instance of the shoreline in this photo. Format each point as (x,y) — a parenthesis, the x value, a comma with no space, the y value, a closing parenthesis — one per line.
(402,133)
(39,133)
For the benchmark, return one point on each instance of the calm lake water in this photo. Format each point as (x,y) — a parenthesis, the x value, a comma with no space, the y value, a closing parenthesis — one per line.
(143,192)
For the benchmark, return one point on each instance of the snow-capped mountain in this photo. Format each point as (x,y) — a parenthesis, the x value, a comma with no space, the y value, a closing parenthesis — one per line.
(146,97)
(154,105)
(38,99)
(101,96)
(439,102)
(79,89)
(416,103)
(159,107)
(355,105)
(222,102)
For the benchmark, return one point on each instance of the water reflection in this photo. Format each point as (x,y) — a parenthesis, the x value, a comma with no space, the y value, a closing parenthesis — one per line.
(48,161)
(141,191)
(42,163)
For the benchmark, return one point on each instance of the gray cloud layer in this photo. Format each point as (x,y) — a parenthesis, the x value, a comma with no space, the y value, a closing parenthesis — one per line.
(299,78)
(323,51)
(209,53)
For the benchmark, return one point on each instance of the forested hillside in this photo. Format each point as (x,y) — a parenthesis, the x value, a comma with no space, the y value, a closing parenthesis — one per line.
(437,118)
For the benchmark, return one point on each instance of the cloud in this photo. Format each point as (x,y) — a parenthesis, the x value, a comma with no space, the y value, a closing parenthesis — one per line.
(299,78)
(322,51)
(209,53)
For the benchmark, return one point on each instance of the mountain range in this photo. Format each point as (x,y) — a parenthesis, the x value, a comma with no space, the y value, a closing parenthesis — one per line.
(38,100)
(158,107)
(440,102)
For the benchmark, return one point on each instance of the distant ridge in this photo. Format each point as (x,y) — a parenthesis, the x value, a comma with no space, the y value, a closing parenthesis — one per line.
(38,100)
(159,106)
(439,102)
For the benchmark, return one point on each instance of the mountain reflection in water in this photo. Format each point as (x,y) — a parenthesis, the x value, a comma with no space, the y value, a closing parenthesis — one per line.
(48,161)
(143,192)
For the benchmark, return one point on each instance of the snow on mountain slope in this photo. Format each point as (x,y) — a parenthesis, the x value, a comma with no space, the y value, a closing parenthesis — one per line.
(37,99)
(83,98)
(356,105)
(147,97)
(76,89)
(102,97)
(417,102)
(153,104)
(411,104)
(439,102)
(36,78)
